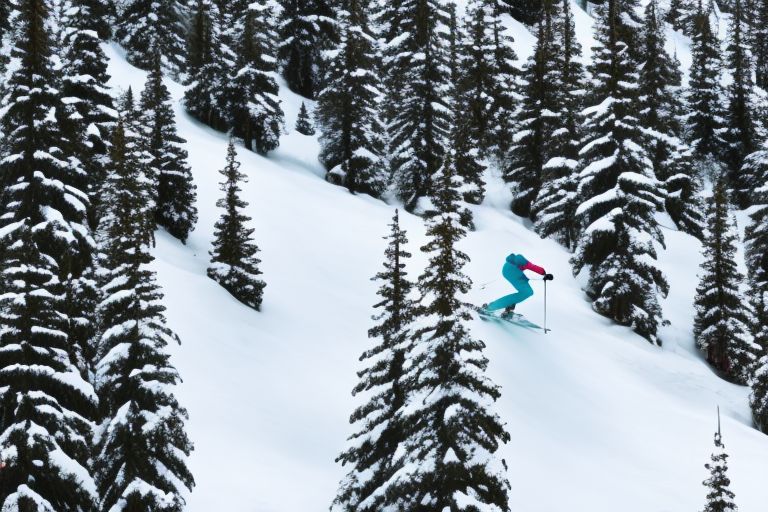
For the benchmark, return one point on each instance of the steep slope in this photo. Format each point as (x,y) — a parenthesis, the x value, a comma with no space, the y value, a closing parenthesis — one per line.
(600,420)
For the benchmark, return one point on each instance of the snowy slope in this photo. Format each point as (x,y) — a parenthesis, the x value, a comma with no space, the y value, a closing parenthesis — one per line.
(601,421)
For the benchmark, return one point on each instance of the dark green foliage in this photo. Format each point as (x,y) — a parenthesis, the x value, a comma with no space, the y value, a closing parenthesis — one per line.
(89,98)
(175,199)
(307,27)
(760,43)
(372,454)
(207,69)
(46,404)
(233,259)
(741,133)
(303,122)
(722,322)
(661,106)
(756,241)
(525,11)
(618,192)
(719,495)
(451,435)
(705,119)
(489,78)
(348,110)
(537,118)
(416,44)
(255,115)
(557,201)
(147,28)
(141,454)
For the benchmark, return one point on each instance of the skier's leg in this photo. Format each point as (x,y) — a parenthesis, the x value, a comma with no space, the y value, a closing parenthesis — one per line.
(524,291)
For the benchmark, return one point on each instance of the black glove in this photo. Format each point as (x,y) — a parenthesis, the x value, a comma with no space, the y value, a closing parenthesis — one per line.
(548,277)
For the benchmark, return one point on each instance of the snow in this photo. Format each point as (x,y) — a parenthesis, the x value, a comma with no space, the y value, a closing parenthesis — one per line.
(600,419)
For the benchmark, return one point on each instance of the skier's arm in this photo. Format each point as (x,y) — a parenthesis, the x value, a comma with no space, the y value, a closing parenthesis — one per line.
(534,268)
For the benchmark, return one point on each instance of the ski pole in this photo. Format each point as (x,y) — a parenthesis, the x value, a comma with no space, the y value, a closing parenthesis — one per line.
(545,307)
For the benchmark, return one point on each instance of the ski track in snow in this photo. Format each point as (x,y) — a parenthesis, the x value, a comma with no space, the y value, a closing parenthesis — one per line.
(600,419)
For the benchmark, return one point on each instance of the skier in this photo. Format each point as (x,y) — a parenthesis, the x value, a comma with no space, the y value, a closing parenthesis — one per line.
(512,271)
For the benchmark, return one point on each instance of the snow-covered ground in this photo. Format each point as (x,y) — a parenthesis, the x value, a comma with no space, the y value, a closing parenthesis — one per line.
(601,421)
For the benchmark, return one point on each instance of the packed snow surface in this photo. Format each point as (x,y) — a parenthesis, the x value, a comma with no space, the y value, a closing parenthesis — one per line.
(600,420)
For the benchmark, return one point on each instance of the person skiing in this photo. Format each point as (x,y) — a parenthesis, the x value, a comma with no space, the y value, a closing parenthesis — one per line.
(512,271)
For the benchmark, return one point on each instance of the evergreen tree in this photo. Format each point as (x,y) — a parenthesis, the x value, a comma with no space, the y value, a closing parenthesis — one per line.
(176,194)
(307,28)
(537,118)
(489,78)
(468,161)
(756,242)
(255,115)
(676,15)
(719,495)
(5,25)
(660,103)
(303,122)
(525,11)
(85,86)
(142,444)
(617,191)
(741,134)
(207,68)
(414,62)
(233,259)
(451,434)
(47,406)
(348,109)
(760,43)
(722,322)
(557,201)
(146,28)
(705,120)
(373,448)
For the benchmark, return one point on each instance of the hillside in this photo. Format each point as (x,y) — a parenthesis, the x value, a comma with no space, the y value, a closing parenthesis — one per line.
(600,419)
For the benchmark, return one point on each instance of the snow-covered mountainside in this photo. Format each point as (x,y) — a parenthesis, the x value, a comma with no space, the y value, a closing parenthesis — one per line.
(600,419)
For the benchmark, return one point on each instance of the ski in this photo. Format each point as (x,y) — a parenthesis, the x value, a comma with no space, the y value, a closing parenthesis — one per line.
(515,319)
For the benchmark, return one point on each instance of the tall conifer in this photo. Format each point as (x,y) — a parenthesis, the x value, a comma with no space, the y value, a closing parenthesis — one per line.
(617,191)
(451,433)
(45,427)
(176,193)
(349,107)
(372,454)
(234,264)
(756,242)
(719,495)
(722,322)
(142,444)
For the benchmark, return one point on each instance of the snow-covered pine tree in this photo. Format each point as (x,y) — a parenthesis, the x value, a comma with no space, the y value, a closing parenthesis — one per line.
(760,43)
(661,105)
(45,427)
(677,14)
(255,115)
(741,133)
(208,71)
(756,242)
(307,27)
(705,121)
(451,434)
(556,203)
(349,107)
(142,445)
(629,28)
(617,191)
(536,118)
(468,161)
(146,28)
(372,453)
(414,61)
(304,124)
(489,77)
(719,495)
(722,325)
(91,110)
(176,193)
(103,14)
(234,264)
